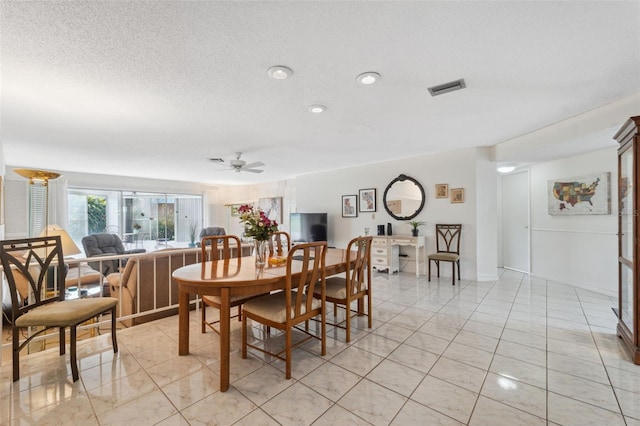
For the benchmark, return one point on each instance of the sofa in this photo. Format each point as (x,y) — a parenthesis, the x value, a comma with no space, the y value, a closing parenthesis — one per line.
(136,281)
(106,245)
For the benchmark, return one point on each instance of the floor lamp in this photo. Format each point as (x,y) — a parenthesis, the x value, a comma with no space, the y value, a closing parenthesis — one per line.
(40,178)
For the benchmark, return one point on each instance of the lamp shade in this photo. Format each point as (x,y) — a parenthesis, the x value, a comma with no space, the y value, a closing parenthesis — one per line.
(69,248)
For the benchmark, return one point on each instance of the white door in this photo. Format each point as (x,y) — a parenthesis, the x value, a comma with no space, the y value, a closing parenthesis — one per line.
(515,221)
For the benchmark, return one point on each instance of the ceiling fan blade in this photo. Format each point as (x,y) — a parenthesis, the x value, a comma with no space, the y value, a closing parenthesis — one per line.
(253,165)
(252,170)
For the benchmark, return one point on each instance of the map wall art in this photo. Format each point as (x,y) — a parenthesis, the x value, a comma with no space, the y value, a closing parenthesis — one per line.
(589,194)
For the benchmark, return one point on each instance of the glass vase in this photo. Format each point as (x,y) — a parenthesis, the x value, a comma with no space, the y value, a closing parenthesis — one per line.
(260,252)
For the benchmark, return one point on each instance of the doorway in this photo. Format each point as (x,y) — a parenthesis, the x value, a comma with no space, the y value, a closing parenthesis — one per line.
(515,222)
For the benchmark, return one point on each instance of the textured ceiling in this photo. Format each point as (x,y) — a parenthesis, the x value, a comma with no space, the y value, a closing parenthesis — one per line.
(153,89)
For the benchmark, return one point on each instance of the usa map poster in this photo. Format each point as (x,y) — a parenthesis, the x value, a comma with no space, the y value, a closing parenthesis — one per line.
(580,195)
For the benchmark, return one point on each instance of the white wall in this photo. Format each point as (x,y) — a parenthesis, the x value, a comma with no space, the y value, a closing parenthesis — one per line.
(580,250)
(321,192)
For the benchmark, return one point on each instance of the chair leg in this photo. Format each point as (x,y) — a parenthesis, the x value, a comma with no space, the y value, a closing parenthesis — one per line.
(62,340)
(429,272)
(323,338)
(203,316)
(453,273)
(15,331)
(370,319)
(114,339)
(458,262)
(239,313)
(74,359)
(288,353)
(438,267)
(244,337)
(348,325)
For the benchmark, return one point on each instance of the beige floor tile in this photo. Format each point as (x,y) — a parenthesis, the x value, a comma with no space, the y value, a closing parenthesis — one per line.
(417,414)
(493,413)
(446,398)
(308,406)
(569,412)
(516,394)
(372,402)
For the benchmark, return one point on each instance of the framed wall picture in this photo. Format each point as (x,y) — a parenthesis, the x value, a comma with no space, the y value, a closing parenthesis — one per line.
(442,190)
(457,195)
(589,194)
(234,209)
(349,206)
(272,208)
(367,202)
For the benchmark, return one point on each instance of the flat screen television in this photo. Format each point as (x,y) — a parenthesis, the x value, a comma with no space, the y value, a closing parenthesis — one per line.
(308,227)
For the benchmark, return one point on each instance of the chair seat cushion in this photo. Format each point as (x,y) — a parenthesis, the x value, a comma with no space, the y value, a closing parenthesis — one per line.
(66,313)
(336,288)
(273,306)
(450,257)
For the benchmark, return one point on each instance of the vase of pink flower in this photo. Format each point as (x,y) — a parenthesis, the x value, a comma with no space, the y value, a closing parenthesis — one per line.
(258,226)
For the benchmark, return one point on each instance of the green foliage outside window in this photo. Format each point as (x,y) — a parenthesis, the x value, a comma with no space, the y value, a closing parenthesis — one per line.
(96,214)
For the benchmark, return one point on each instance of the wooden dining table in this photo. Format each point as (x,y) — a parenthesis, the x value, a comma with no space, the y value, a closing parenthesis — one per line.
(234,277)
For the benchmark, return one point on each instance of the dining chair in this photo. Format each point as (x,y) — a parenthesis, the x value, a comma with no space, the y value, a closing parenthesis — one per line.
(447,249)
(276,245)
(305,270)
(28,264)
(215,248)
(355,285)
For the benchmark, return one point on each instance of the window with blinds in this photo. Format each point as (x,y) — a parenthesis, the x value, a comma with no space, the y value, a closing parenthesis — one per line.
(37,208)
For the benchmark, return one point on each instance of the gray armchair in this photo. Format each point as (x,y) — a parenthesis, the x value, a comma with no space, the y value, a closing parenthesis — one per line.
(106,245)
(210,230)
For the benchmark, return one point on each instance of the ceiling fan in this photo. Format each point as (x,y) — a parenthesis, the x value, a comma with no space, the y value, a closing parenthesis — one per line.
(240,165)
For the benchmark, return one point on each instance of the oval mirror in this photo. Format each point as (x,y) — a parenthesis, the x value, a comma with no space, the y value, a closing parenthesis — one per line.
(404,198)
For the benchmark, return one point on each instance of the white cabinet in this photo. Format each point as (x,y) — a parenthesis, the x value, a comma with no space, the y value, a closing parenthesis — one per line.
(384,256)
(385,252)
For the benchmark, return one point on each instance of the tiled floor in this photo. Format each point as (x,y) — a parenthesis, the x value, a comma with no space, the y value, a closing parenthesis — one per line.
(519,351)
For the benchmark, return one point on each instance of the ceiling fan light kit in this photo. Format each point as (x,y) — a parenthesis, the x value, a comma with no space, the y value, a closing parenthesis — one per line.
(239,165)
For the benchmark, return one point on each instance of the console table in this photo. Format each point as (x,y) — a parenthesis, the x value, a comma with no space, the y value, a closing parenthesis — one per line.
(385,251)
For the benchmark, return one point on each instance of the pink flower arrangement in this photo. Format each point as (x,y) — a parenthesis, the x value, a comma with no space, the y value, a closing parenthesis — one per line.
(256,223)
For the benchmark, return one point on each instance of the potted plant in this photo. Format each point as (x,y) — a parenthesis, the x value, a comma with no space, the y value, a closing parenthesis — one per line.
(136,228)
(192,235)
(415,224)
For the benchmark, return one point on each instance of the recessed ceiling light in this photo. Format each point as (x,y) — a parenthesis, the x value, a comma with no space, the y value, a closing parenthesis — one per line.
(317,109)
(367,78)
(279,72)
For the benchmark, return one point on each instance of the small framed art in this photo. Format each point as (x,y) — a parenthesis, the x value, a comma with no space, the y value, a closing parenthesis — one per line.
(349,206)
(442,190)
(457,195)
(367,202)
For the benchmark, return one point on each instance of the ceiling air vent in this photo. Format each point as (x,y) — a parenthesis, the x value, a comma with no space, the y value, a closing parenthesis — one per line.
(447,87)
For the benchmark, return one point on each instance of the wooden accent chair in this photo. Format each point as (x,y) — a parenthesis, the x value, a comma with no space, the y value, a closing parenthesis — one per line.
(354,285)
(229,248)
(27,264)
(447,249)
(276,246)
(285,309)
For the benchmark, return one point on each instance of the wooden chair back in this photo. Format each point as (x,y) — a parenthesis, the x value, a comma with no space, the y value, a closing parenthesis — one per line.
(28,265)
(448,238)
(221,247)
(309,260)
(359,276)
(276,245)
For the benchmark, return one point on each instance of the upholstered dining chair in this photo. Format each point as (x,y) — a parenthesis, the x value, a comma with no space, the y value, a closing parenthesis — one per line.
(447,249)
(28,264)
(355,285)
(213,250)
(276,245)
(286,309)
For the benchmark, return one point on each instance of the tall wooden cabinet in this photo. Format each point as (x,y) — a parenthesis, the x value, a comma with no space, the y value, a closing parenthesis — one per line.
(628,249)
